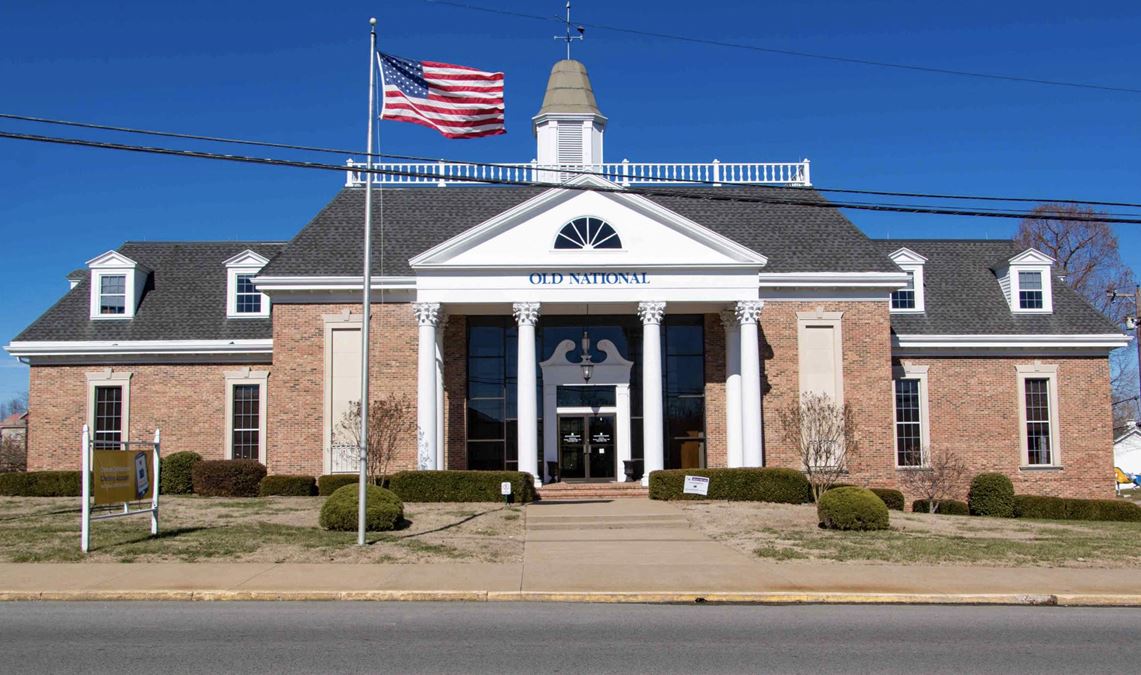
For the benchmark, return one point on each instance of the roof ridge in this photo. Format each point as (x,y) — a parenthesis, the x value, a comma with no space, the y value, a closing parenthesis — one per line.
(947,240)
(205,241)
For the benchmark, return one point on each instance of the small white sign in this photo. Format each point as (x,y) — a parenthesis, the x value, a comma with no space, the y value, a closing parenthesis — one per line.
(505,488)
(696,485)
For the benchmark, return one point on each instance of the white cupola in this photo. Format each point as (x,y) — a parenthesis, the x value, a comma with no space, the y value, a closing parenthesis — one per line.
(569,126)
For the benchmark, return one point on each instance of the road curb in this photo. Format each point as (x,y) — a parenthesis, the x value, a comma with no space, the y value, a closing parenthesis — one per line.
(752,598)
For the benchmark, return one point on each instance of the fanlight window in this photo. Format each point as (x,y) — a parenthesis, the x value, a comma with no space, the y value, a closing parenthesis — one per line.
(587,233)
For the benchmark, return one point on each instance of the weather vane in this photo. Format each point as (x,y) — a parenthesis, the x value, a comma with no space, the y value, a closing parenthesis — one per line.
(568,38)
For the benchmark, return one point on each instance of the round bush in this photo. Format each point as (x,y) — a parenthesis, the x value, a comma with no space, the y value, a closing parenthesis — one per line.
(383,509)
(176,473)
(852,508)
(991,494)
(893,499)
(288,486)
(228,477)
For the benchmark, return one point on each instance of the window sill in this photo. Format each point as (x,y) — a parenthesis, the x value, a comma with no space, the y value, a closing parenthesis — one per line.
(913,468)
(1040,467)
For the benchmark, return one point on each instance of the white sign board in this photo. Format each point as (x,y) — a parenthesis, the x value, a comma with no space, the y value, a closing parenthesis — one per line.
(696,485)
(505,488)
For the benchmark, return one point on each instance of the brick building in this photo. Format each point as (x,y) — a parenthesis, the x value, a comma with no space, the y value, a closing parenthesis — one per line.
(593,331)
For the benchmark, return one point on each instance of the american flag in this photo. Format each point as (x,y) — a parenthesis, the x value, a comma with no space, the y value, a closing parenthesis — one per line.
(457,101)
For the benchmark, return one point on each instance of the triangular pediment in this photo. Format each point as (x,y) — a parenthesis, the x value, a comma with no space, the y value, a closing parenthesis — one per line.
(905,256)
(1031,257)
(112,259)
(247,258)
(649,234)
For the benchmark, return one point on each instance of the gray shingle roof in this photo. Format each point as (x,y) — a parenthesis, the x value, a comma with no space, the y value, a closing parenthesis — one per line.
(963,296)
(184,299)
(794,238)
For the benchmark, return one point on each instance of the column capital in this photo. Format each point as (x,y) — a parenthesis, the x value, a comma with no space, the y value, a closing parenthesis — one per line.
(651,312)
(749,311)
(427,313)
(729,319)
(526,313)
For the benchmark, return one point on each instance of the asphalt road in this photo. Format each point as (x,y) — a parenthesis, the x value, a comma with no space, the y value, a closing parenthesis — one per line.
(318,637)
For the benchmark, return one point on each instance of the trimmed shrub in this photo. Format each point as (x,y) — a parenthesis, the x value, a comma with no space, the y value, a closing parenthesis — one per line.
(227,477)
(383,509)
(893,499)
(852,508)
(770,484)
(1058,508)
(41,484)
(1033,506)
(946,507)
(331,482)
(461,486)
(176,473)
(288,486)
(991,494)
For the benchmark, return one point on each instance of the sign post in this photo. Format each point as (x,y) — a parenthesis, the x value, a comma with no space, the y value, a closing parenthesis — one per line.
(505,490)
(124,476)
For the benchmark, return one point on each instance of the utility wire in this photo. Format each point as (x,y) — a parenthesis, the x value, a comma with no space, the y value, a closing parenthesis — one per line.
(790,52)
(673,193)
(419,158)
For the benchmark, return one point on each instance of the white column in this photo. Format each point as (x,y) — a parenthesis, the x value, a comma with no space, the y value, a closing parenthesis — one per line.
(734,453)
(653,445)
(622,439)
(427,315)
(441,462)
(752,453)
(527,315)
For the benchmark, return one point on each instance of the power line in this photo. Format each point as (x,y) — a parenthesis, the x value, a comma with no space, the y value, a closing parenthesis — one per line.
(419,158)
(791,52)
(674,193)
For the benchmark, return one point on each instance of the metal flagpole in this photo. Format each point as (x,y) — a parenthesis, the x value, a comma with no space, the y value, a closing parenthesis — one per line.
(366,289)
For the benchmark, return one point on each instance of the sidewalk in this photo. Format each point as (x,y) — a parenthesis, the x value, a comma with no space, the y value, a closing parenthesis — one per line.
(619,551)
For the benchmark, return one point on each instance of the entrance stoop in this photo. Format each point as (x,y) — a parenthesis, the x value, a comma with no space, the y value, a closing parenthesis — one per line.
(578,490)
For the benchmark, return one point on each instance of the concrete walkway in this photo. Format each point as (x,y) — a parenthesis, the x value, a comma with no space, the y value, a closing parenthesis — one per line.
(615,551)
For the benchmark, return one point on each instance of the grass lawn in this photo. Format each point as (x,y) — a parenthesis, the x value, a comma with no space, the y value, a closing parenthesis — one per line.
(269,529)
(788,532)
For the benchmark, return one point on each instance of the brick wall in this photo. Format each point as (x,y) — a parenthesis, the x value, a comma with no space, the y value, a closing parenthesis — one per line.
(455,393)
(866,343)
(187,402)
(716,445)
(297,386)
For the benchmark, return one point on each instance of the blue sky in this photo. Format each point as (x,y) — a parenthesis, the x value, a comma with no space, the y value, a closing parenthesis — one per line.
(296,72)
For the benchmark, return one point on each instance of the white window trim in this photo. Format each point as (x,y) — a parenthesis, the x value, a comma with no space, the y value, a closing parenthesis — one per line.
(110,378)
(913,372)
(912,263)
(246,376)
(821,318)
(1031,260)
(246,262)
(1031,372)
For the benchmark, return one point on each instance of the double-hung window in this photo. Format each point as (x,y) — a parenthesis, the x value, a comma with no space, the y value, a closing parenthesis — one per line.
(1038,444)
(908,423)
(1030,290)
(248,300)
(108,417)
(112,294)
(246,422)
(904,298)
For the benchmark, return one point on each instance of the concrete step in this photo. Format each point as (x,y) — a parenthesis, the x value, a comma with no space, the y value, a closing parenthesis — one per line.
(570,490)
(589,525)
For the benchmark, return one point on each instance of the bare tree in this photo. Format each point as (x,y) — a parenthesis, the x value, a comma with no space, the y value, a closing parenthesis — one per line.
(13,455)
(823,432)
(391,421)
(16,404)
(943,477)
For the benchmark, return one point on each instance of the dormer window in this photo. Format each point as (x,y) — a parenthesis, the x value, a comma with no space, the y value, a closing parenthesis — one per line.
(243,300)
(910,298)
(587,234)
(1025,280)
(117,284)
(113,294)
(249,299)
(1030,290)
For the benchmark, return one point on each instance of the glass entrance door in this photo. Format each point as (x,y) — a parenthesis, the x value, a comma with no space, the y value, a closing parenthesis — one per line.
(586,447)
